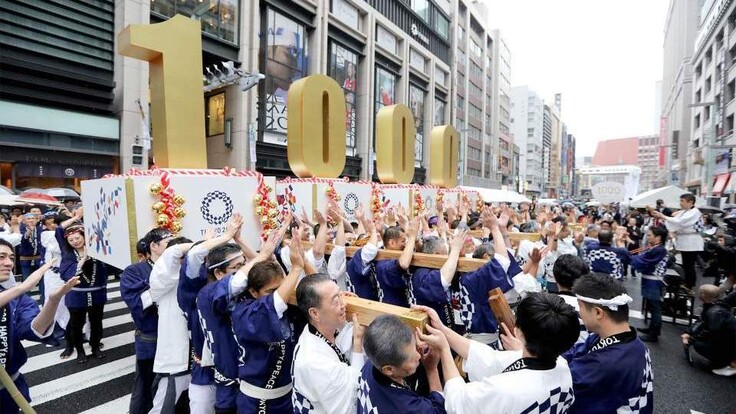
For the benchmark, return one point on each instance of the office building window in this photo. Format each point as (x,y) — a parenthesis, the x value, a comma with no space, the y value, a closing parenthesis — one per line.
(385,93)
(286,62)
(439,112)
(421,7)
(344,69)
(219,20)
(416,103)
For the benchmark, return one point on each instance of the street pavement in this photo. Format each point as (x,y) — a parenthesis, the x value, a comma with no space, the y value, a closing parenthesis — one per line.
(678,386)
(104,386)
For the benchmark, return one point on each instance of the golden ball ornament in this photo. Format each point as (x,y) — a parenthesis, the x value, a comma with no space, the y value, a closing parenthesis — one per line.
(273,223)
(273,213)
(257,199)
(272,204)
(158,207)
(180,212)
(264,220)
(259,210)
(176,226)
(179,200)
(162,220)
(155,188)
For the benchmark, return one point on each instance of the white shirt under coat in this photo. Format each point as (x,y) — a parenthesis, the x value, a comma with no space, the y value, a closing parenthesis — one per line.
(687,236)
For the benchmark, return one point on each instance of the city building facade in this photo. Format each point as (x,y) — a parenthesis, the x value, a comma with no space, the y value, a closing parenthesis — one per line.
(475,95)
(502,109)
(58,121)
(713,104)
(527,125)
(551,145)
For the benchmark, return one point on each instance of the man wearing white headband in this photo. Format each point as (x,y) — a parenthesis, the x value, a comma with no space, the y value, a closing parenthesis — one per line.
(611,370)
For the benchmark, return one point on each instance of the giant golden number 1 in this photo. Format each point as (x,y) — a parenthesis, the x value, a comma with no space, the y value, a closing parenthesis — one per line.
(173,50)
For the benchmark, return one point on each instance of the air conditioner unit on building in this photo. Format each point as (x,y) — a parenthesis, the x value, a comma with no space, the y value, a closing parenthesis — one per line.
(698,157)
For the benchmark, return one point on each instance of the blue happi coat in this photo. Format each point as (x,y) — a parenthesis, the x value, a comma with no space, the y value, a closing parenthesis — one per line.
(428,291)
(607,259)
(362,277)
(266,344)
(186,295)
(134,283)
(652,264)
(214,307)
(379,394)
(91,290)
(393,283)
(30,245)
(472,294)
(615,377)
(19,313)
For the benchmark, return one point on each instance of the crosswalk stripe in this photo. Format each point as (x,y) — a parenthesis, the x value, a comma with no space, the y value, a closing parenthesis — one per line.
(106,323)
(119,405)
(60,387)
(52,358)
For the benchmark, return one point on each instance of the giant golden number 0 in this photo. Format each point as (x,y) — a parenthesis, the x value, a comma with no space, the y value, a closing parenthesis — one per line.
(316,144)
(173,50)
(395,133)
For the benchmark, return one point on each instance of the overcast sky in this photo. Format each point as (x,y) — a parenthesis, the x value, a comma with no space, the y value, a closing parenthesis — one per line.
(604,56)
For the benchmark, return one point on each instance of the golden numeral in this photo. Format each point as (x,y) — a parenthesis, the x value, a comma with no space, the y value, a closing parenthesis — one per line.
(443,156)
(316,130)
(395,132)
(173,50)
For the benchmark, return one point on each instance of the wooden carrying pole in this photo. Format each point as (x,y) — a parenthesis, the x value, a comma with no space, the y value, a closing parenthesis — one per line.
(501,309)
(368,310)
(431,261)
(15,392)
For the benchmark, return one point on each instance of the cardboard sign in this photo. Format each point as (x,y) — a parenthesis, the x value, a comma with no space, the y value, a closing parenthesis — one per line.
(397,194)
(351,196)
(294,196)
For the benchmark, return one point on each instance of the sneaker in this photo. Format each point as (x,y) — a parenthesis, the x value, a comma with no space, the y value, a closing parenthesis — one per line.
(726,371)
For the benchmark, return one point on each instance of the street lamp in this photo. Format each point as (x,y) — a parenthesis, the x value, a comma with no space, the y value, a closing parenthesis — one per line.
(707,142)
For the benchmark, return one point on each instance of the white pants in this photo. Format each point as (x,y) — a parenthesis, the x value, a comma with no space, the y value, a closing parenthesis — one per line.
(201,399)
(168,392)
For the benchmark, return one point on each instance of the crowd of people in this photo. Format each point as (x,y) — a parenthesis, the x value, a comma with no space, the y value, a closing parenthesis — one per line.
(224,327)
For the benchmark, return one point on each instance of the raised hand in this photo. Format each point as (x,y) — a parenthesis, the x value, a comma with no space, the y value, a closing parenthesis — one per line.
(296,253)
(458,240)
(209,234)
(234,225)
(319,218)
(413,228)
(489,219)
(65,288)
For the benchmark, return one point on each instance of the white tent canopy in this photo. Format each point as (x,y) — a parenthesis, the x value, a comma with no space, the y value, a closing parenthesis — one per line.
(498,196)
(670,195)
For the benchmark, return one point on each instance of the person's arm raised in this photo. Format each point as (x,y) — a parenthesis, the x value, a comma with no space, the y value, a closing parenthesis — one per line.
(411,238)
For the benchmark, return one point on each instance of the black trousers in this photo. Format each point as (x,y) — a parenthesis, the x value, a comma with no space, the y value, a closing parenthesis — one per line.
(77,318)
(141,399)
(688,266)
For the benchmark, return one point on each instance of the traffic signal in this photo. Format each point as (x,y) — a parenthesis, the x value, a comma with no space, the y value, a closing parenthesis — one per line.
(137,155)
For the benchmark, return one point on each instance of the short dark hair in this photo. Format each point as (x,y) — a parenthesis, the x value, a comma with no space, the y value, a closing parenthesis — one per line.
(178,240)
(391,233)
(605,236)
(7,244)
(262,273)
(660,201)
(568,268)
(218,255)
(661,232)
(688,197)
(307,296)
(385,339)
(602,286)
(550,326)
(153,236)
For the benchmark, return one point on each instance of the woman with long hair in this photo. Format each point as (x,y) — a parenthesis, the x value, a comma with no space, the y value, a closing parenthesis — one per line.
(89,296)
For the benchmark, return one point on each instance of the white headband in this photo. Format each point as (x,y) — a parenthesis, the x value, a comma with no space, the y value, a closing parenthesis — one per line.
(216,265)
(613,303)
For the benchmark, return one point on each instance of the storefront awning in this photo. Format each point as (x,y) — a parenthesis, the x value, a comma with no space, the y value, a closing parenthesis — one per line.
(720,183)
(731,187)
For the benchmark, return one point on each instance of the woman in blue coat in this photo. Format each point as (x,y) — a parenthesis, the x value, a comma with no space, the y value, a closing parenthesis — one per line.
(88,298)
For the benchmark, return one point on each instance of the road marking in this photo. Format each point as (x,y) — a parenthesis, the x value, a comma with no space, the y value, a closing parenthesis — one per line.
(106,323)
(88,378)
(52,358)
(120,405)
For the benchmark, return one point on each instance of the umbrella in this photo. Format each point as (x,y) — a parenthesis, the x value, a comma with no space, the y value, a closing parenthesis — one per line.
(62,193)
(670,195)
(37,198)
(5,190)
(9,200)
